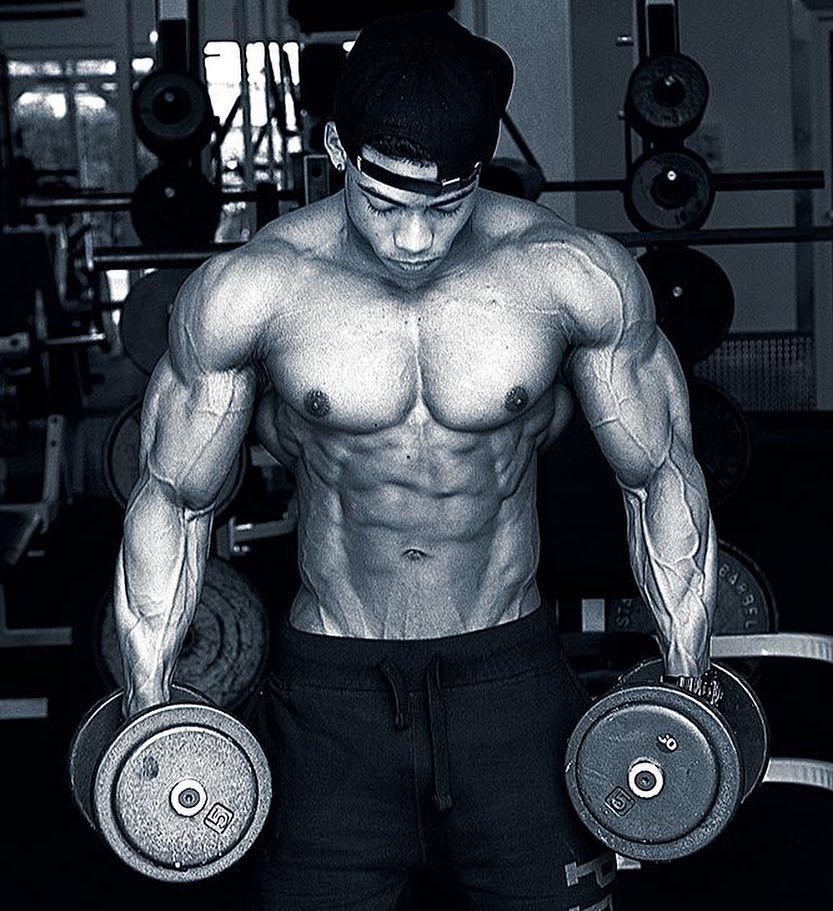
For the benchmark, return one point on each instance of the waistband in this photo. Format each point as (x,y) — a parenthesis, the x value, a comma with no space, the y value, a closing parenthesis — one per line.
(486,654)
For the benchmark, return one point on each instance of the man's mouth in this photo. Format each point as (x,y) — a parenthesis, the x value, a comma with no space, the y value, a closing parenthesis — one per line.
(413,265)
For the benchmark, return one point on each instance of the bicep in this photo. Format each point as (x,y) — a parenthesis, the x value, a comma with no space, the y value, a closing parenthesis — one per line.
(200,399)
(192,430)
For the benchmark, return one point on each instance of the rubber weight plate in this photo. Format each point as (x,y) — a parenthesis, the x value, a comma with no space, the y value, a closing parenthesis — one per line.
(92,737)
(668,190)
(144,316)
(121,461)
(172,113)
(225,650)
(177,207)
(653,772)
(722,443)
(739,707)
(745,603)
(694,300)
(182,792)
(667,97)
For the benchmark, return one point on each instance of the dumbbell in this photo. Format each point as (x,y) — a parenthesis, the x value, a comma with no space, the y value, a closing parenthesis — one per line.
(179,791)
(656,772)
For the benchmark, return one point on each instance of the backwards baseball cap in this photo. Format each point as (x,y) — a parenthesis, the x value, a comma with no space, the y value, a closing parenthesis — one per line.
(423,78)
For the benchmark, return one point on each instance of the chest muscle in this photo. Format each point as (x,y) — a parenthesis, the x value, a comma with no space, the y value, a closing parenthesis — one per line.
(364,365)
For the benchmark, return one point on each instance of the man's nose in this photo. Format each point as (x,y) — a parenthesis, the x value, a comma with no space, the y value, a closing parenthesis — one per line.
(413,234)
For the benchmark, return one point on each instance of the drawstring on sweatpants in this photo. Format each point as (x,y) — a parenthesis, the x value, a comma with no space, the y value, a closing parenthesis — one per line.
(398,688)
(439,735)
(437,725)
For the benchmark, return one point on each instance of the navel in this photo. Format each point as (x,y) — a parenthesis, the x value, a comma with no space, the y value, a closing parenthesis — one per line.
(316,403)
(414,555)
(516,399)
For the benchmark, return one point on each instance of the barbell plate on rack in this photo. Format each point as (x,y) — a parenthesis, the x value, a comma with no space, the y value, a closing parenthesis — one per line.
(667,97)
(739,707)
(175,207)
(694,300)
(92,737)
(121,460)
(225,650)
(182,792)
(669,190)
(722,442)
(653,772)
(144,316)
(172,113)
(745,602)
(513,177)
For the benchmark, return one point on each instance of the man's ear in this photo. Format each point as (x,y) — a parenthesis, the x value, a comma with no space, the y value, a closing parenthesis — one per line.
(334,148)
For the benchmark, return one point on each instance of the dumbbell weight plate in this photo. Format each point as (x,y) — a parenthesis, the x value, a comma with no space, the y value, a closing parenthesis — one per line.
(653,772)
(182,792)
(92,737)
(738,705)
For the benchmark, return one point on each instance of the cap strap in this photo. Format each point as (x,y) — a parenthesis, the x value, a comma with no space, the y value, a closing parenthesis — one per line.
(426,186)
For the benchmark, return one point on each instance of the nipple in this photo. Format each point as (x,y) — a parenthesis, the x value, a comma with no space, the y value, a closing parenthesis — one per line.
(316,403)
(516,399)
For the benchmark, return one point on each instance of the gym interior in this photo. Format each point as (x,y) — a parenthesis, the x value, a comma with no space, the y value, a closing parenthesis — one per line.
(140,137)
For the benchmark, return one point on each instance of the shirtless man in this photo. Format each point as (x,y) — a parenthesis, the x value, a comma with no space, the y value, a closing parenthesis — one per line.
(422,339)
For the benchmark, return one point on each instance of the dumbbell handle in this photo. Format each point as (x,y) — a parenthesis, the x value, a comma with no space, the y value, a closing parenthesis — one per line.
(706,686)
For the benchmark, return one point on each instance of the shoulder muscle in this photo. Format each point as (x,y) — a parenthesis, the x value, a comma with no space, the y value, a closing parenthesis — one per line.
(220,312)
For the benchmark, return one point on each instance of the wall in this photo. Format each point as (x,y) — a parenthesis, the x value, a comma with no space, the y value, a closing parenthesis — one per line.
(537,36)
(745,50)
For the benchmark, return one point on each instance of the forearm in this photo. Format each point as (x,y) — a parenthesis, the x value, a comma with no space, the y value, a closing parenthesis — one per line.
(673,548)
(159,578)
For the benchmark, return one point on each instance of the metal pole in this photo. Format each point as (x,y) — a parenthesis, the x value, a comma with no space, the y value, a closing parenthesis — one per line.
(725,236)
(731,182)
(140,258)
(120,202)
(241,29)
(267,84)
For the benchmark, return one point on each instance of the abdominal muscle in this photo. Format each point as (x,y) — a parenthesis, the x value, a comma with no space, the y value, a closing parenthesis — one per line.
(395,558)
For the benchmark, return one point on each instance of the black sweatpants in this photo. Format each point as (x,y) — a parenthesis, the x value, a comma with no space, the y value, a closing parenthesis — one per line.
(388,755)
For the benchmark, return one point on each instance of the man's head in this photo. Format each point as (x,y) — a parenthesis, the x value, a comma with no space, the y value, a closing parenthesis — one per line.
(417,115)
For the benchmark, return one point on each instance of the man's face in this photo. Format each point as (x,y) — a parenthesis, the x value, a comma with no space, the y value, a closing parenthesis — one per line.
(410,233)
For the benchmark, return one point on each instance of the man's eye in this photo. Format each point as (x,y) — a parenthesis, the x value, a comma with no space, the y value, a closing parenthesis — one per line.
(373,210)
(445,212)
